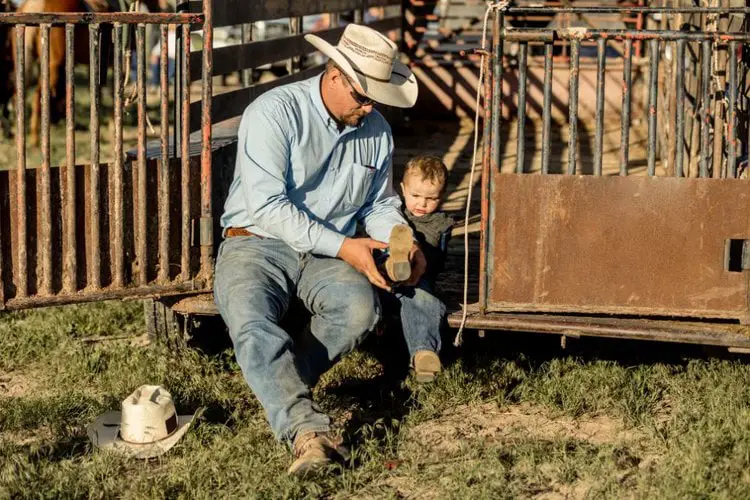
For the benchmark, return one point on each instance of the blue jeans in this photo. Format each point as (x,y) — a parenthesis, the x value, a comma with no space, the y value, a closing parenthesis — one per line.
(254,283)
(421,314)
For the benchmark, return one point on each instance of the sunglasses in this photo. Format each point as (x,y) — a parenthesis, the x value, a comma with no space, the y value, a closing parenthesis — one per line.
(358,98)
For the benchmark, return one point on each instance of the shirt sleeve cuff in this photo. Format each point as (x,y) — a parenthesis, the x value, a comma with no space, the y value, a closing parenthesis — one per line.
(329,244)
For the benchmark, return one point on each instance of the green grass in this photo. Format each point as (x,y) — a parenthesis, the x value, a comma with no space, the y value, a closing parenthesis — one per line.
(512,416)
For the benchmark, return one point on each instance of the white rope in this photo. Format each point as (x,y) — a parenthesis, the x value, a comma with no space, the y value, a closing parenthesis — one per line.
(502,5)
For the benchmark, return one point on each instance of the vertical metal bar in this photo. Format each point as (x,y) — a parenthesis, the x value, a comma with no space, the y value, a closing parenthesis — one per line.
(680,111)
(521,135)
(601,48)
(142,229)
(21,277)
(575,46)
(206,225)
(627,84)
(491,164)
(732,112)
(164,171)
(487,141)
(95,264)
(70,268)
(653,46)
(44,240)
(497,91)
(705,105)
(547,108)
(118,261)
(185,155)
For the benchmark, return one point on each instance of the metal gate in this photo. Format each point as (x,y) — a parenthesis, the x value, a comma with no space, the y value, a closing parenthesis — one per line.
(596,243)
(136,226)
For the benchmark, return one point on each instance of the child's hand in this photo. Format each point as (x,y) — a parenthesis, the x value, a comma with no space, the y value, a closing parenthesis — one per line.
(418,265)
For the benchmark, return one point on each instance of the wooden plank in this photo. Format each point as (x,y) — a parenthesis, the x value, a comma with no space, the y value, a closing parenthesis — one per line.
(255,54)
(233,12)
(231,104)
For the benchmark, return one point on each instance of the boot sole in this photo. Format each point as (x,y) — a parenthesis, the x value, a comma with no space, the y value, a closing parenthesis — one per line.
(426,367)
(400,242)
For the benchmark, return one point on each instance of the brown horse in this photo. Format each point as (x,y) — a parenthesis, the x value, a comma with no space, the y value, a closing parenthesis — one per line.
(57,50)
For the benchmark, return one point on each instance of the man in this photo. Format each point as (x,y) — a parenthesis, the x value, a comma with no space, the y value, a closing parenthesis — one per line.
(313,159)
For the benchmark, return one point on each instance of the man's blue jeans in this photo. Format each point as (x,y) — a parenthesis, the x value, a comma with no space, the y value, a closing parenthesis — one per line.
(255,281)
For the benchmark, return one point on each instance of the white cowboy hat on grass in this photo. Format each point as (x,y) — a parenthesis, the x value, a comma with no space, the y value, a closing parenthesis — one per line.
(371,59)
(147,426)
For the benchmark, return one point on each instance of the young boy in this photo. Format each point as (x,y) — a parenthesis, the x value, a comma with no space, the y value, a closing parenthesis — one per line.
(423,187)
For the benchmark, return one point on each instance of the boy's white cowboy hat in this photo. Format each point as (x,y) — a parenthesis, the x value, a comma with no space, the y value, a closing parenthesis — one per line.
(147,426)
(371,59)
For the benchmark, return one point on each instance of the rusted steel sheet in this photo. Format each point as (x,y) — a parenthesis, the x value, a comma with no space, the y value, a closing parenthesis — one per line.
(718,334)
(621,245)
(92,18)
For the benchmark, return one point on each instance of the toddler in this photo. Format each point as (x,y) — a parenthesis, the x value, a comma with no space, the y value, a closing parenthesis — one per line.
(421,312)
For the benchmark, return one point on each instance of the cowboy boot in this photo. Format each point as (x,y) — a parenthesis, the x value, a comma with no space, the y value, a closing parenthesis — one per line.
(315,450)
(426,365)
(400,243)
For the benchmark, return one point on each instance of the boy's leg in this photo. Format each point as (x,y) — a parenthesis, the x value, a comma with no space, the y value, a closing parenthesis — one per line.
(253,285)
(421,316)
(345,309)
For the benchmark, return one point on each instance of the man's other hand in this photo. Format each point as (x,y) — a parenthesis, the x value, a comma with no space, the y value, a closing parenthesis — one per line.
(357,252)
(418,265)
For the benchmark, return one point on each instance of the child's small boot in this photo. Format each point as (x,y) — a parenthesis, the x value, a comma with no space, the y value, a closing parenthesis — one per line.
(400,242)
(426,365)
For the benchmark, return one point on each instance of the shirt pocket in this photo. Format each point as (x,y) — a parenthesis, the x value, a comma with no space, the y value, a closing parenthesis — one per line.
(358,184)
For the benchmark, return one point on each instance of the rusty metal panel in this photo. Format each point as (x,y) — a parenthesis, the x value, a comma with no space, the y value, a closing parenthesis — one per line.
(621,245)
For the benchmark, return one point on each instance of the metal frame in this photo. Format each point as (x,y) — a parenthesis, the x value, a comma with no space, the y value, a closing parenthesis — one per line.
(485,316)
(93,238)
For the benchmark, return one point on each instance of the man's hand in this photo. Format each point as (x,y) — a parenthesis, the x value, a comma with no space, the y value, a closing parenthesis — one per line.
(418,265)
(357,252)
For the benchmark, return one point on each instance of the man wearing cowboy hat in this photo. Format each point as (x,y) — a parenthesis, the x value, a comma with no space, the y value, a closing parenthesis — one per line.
(314,158)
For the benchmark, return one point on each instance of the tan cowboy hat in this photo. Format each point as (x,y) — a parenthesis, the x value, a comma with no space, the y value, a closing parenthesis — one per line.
(371,59)
(147,426)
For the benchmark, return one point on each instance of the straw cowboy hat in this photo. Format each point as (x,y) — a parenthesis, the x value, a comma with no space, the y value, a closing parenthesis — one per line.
(147,426)
(371,59)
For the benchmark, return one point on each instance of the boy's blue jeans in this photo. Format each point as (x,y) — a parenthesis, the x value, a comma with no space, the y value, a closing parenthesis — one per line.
(254,283)
(421,315)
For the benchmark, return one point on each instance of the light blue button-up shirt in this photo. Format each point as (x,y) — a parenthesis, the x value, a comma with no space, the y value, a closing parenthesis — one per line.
(299,179)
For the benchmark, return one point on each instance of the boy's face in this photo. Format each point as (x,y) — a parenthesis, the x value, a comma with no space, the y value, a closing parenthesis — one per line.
(421,196)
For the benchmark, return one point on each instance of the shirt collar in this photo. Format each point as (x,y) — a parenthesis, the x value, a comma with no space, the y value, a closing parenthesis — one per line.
(317,100)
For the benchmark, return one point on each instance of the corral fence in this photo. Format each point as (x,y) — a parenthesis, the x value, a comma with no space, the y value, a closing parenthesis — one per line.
(145,223)
(626,250)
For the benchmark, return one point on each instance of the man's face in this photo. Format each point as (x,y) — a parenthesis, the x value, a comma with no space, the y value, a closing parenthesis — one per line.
(354,106)
(421,196)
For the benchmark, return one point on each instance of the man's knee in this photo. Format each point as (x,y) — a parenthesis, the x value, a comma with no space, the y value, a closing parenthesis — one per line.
(360,311)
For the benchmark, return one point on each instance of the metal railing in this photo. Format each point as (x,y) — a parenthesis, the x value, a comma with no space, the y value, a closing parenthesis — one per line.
(716,158)
(105,229)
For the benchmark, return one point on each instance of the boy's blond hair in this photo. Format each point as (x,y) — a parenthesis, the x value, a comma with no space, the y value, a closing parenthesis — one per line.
(428,168)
